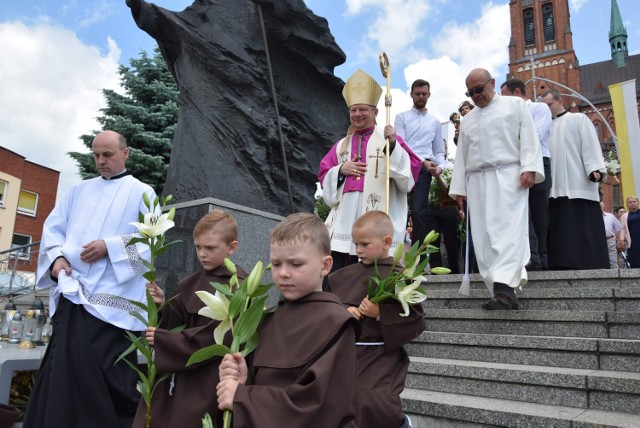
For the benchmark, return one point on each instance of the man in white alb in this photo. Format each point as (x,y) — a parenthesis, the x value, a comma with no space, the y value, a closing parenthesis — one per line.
(498,159)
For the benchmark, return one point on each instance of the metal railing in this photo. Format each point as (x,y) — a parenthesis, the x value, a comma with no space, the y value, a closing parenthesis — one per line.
(16,266)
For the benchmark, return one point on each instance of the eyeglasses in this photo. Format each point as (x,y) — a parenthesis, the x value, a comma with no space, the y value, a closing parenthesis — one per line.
(477,90)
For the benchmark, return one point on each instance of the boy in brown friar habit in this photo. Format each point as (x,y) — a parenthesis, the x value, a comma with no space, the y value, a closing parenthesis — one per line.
(303,372)
(183,399)
(382,360)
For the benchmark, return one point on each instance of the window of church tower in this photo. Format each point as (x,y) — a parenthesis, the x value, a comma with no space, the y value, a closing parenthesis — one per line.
(596,125)
(529,27)
(547,21)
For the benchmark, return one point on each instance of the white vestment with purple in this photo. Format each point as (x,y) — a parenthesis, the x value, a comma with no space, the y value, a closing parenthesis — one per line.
(346,197)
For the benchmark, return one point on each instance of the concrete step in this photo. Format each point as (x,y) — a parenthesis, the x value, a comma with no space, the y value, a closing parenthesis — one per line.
(593,389)
(604,324)
(622,298)
(570,352)
(549,279)
(430,408)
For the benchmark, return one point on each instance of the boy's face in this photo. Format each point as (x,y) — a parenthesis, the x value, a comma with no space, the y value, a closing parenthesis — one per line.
(370,245)
(298,268)
(212,250)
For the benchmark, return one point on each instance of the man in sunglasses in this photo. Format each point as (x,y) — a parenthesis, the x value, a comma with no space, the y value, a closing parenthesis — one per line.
(497,160)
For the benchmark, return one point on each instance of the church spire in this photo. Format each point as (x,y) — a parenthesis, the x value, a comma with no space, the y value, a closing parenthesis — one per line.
(618,38)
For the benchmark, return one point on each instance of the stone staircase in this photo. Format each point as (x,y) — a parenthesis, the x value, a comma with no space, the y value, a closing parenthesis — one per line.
(570,357)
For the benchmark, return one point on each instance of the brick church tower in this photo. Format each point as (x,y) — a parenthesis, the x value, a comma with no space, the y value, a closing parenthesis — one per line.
(541,38)
(541,44)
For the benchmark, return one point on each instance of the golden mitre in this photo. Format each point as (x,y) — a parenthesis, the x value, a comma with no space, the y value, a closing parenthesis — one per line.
(361,89)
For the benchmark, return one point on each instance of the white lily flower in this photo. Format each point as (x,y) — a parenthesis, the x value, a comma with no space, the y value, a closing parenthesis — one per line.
(409,270)
(153,225)
(216,308)
(407,295)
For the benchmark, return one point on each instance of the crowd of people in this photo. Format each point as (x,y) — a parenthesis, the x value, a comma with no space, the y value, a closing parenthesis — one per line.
(328,356)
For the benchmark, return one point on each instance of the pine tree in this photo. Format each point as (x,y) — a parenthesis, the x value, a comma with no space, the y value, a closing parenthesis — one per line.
(146,115)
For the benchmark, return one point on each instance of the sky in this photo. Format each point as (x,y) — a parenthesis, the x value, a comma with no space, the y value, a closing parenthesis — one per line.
(58,55)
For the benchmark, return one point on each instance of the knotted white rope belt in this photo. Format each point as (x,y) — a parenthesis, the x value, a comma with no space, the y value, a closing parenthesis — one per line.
(369,343)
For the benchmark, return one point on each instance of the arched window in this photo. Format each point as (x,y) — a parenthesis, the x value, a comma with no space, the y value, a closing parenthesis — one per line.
(548,27)
(529,28)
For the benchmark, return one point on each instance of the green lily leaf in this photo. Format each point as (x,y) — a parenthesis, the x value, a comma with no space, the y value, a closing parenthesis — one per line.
(223,288)
(251,344)
(247,322)
(238,300)
(207,353)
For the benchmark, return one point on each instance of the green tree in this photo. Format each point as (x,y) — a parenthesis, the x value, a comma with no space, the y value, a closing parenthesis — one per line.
(146,114)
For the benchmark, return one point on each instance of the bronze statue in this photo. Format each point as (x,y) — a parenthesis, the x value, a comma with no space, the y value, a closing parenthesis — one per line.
(227,143)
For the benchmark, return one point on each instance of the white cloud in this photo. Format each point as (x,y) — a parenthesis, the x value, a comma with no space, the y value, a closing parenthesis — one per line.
(458,49)
(395,28)
(97,11)
(51,86)
(577,4)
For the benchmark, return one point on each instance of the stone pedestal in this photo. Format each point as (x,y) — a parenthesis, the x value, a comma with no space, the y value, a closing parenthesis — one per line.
(180,260)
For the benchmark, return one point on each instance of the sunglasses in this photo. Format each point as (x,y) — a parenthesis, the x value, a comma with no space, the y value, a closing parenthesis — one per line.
(477,90)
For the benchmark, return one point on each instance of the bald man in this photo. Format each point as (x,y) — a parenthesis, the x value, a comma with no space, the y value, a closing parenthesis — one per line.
(497,160)
(93,273)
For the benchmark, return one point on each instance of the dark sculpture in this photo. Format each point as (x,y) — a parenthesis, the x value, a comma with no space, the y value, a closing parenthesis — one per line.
(226,144)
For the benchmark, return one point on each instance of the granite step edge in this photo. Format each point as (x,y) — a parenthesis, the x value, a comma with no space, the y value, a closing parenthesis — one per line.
(500,412)
(560,343)
(561,377)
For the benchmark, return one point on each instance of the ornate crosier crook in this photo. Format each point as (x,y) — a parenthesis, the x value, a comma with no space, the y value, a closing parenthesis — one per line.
(386,72)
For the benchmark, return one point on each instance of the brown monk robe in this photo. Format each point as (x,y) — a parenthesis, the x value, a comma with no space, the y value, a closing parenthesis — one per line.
(183,400)
(382,368)
(303,372)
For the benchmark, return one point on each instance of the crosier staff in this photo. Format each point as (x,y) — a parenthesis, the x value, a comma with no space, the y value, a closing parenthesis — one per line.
(386,72)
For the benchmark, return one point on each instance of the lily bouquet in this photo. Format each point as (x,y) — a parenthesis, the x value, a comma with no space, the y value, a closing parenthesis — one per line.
(151,228)
(239,307)
(403,283)
(613,168)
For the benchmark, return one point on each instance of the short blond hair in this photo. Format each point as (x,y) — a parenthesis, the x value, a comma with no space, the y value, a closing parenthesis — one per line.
(219,222)
(378,221)
(302,227)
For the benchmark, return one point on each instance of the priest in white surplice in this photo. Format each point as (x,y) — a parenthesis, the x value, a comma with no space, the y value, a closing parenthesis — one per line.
(85,260)
(577,238)
(498,159)
(353,173)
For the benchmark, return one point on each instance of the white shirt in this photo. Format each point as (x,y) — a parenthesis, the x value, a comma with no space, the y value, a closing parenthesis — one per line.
(541,115)
(423,133)
(611,225)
